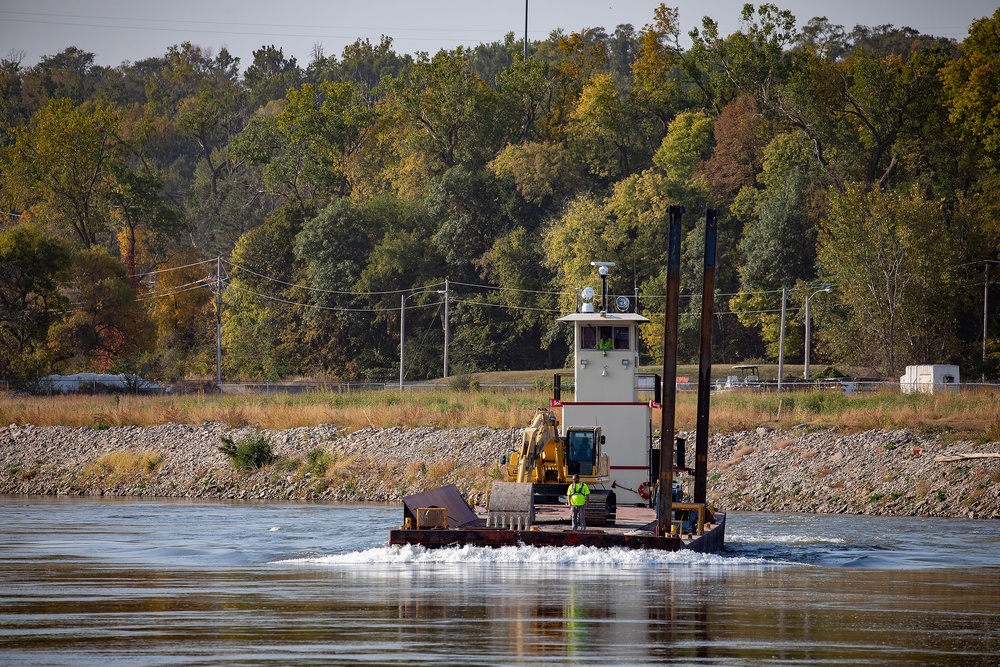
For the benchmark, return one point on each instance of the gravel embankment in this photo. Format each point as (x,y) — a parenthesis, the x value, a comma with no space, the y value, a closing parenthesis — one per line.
(875,472)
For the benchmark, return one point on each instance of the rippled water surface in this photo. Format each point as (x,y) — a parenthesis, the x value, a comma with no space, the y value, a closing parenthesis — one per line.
(89,582)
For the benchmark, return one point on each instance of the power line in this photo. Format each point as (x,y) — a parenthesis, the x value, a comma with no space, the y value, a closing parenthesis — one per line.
(269,26)
(172,268)
(329,291)
(503,305)
(159,294)
(329,308)
(509,289)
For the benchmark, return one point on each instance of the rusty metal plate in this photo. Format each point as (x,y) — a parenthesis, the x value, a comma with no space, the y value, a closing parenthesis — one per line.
(448,497)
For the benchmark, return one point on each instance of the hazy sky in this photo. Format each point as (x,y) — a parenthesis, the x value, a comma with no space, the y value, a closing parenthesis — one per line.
(130,30)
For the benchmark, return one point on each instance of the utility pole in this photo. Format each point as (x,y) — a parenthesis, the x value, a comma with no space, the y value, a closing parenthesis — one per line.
(781,337)
(525,35)
(402,336)
(446,332)
(218,322)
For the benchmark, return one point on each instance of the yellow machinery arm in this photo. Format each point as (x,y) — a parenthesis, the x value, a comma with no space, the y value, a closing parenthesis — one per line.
(542,430)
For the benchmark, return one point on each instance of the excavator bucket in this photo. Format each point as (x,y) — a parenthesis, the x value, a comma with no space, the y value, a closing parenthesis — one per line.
(511,506)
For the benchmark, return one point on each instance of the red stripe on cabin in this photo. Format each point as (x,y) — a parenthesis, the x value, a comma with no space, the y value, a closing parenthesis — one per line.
(565,403)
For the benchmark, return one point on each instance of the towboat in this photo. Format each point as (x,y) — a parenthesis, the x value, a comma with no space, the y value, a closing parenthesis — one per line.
(604,438)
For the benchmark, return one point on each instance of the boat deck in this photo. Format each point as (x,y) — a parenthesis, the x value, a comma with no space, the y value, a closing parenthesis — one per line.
(633,529)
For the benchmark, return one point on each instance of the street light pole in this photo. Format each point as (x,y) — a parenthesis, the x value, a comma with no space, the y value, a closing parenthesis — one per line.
(825,288)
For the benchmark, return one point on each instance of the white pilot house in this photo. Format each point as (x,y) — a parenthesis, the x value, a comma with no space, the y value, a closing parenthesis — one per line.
(605,372)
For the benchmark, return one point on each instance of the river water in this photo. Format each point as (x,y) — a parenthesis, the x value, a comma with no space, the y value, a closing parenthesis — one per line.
(129,582)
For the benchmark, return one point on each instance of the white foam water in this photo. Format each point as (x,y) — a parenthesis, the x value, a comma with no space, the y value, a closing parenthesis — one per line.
(547,556)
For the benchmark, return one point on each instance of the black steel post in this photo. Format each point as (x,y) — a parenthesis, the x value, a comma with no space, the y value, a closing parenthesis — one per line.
(669,405)
(557,387)
(705,357)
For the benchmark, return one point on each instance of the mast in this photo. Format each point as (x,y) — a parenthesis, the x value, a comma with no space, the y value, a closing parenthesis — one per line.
(669,406)
(705,356)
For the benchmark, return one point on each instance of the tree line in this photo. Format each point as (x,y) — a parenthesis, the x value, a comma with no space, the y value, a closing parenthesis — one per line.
(320,198)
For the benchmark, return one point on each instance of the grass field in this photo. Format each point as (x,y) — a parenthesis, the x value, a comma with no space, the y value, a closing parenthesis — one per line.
(969,414)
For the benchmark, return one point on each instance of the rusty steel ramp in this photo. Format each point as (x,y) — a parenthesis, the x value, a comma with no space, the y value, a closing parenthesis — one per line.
(446,497)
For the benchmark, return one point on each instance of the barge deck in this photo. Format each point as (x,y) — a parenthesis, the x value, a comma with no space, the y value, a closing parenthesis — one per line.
(633,529)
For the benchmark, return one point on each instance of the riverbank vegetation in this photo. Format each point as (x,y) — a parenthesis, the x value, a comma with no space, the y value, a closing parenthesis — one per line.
(323,198)
(969,414)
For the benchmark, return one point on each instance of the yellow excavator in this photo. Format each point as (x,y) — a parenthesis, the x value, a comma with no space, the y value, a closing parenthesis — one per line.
(539,471)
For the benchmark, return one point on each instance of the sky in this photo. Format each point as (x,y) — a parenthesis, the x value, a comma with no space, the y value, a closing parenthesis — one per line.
(130,30)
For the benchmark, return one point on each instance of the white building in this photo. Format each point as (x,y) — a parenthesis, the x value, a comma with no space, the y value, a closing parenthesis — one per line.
(930,378)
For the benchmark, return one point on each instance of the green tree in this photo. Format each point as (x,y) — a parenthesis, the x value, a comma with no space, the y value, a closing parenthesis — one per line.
(453,115)
(513,326)
(545,174)
(69,74)
(107,323)
(59,168)
(972,84)
(307,148)
(754,60)
(262,305)
(472,208)
(600,131)
(571,243)
(361,62)
(137,202)
(32,266)
(14,110)
(893,264)
(271,75)
(777,247)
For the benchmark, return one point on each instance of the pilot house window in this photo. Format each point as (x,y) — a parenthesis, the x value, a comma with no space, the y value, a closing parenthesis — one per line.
(605,338)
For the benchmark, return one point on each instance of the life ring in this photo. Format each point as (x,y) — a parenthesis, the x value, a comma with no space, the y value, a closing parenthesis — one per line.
(644,490)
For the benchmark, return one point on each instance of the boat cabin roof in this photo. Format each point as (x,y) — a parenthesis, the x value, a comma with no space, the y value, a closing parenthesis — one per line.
(609,318)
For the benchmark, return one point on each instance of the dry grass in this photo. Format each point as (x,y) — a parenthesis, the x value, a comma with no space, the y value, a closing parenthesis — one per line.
(123,466)
(970,415)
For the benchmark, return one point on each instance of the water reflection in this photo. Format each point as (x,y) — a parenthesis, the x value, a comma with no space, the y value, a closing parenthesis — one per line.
(159,584)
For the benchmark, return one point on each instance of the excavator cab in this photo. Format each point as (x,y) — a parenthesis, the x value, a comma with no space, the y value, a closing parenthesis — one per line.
(582,451)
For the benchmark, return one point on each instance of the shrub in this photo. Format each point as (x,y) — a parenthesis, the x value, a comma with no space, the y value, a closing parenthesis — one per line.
(250,453)
(317,461)
(463,382)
